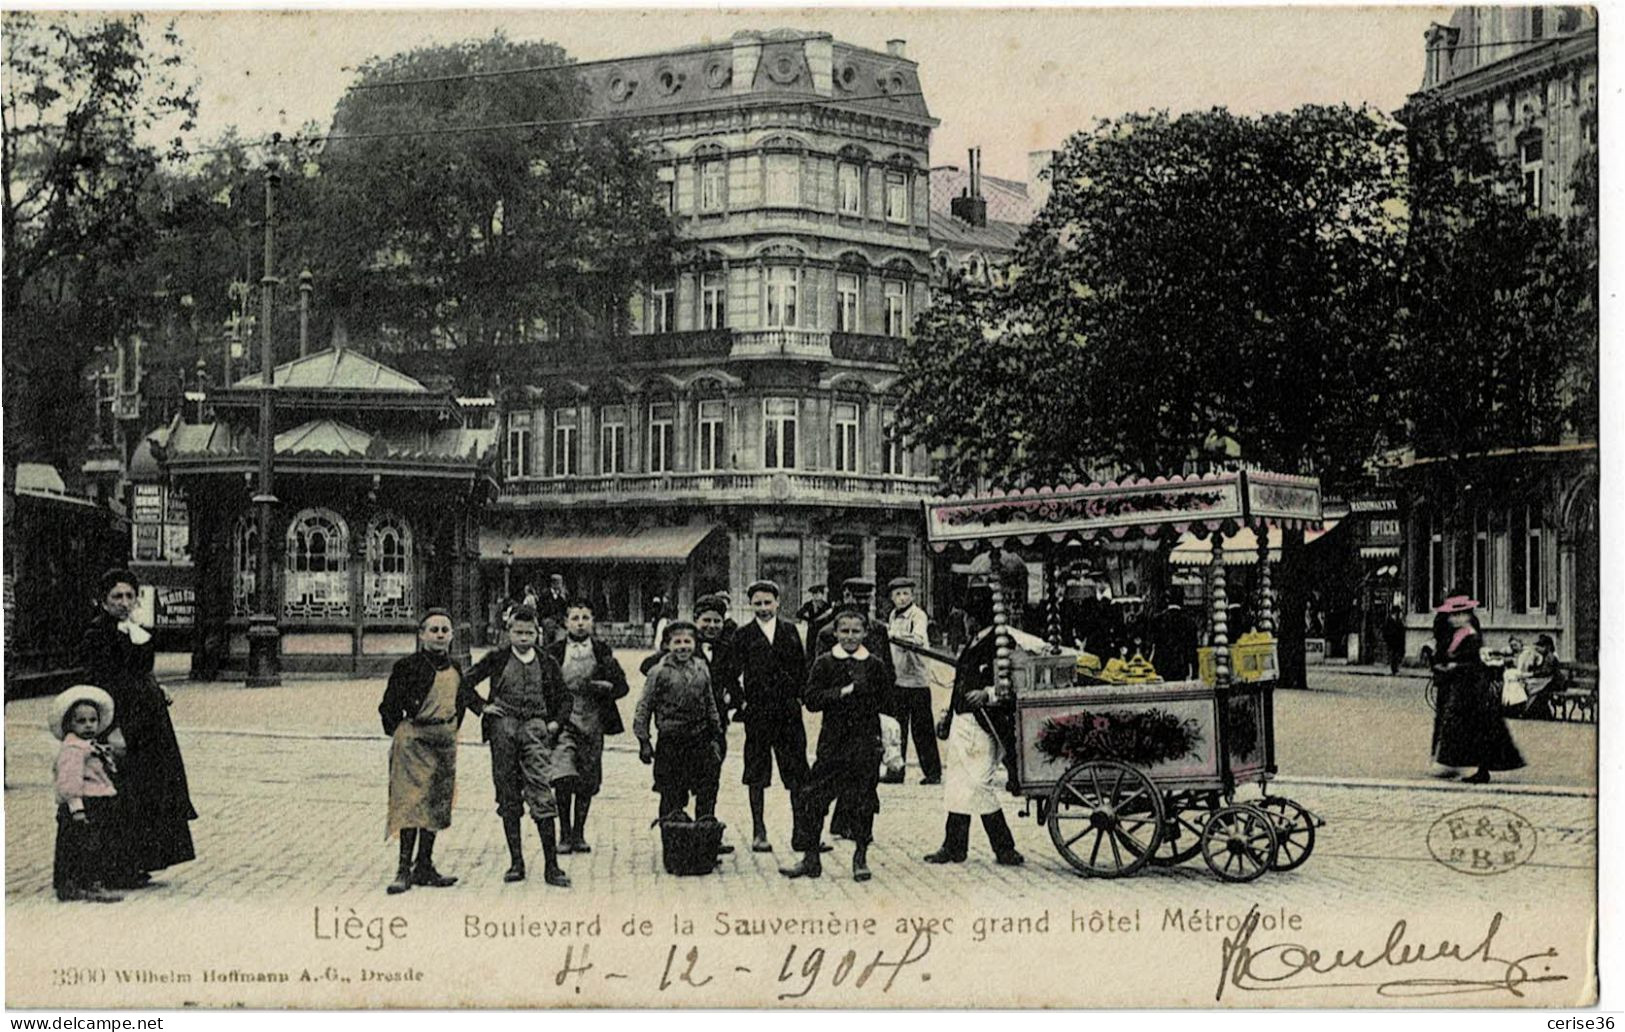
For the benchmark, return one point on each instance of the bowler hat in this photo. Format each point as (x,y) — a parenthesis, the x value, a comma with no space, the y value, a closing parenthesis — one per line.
(859,585)
(1457,604)
(64,703)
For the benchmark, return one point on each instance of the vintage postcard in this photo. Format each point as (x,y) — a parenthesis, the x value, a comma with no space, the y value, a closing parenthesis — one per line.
(802,508)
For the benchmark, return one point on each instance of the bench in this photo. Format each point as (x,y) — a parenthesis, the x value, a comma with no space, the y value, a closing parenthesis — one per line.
(1578,702)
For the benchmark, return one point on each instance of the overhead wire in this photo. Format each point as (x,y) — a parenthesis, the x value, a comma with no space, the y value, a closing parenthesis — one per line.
(277,139)
(574,65)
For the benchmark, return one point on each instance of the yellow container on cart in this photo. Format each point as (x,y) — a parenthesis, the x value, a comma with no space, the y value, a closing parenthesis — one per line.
(1253,657)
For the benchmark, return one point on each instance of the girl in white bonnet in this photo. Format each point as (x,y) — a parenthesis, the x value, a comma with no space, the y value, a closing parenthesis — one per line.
(85,805)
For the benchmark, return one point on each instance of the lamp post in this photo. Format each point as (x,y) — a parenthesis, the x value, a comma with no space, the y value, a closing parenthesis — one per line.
(304,312)
(264,637)
(507,571)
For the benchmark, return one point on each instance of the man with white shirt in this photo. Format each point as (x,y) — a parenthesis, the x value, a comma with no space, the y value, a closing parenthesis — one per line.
(773,673)
(911,699)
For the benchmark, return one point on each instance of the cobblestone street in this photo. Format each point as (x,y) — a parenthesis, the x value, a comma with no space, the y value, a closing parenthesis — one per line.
(289,784)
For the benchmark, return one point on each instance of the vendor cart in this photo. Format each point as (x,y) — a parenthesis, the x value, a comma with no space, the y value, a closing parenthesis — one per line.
(1127,769)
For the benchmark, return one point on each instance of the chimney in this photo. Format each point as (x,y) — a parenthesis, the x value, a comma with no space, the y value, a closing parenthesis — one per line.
(897,47)
(971,208)
(1038,184)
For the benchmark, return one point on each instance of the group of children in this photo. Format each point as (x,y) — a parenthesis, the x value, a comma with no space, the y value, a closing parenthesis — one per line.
(760,674)
(544,716)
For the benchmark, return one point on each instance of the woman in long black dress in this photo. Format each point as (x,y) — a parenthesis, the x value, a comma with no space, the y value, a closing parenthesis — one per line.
(154,804)
(1468,729)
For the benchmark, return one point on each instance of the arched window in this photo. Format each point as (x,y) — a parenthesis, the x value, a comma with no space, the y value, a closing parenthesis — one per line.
(389,569)
(318,584)
(245,544)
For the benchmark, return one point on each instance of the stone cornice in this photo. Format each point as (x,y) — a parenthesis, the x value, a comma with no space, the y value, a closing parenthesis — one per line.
(1534,64)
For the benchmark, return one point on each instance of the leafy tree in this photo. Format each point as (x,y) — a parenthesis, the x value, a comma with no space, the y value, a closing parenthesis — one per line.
(81,94)
(206,259)
(1194,284)
(1192,279)
(432,236)
(1497,304)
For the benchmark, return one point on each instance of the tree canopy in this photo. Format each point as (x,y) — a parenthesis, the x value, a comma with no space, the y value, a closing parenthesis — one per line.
(1496,306)
(1191,280)
(83,97)
(430,234)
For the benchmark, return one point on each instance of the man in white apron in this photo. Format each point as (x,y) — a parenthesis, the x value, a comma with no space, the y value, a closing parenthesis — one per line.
(977,740)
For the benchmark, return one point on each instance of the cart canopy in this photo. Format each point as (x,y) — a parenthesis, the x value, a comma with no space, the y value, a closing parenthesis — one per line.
(1164,506)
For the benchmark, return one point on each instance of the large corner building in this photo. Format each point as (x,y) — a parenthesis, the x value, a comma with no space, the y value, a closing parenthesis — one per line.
(1525,542)
(744,429)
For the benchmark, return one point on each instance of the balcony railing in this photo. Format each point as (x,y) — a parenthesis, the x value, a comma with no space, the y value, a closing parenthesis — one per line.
(867,347)
(648,348)
(723,488)
(785,343)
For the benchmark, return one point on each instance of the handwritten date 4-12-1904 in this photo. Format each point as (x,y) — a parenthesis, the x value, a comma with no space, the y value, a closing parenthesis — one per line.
(798,973)
(1399,968)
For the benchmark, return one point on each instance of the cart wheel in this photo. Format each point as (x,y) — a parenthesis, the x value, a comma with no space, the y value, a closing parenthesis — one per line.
(1239,843)
(1105,818)
(1294,831)
(1181,829)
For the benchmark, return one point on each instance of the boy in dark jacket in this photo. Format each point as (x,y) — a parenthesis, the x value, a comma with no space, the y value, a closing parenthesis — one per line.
(849,685)
(677,697)
(594,680)
(773,672)
(522,719)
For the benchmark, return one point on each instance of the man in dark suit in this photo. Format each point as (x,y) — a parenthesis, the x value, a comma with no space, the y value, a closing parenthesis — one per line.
(773,673)
(1173,634)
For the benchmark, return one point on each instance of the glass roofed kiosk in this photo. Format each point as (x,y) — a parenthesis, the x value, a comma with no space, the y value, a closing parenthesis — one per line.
(379,484)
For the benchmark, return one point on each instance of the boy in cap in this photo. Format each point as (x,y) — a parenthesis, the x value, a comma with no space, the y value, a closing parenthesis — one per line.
(521,721)
(677,697)
(594,681)
(849,686)
(911,700)
(816,613)
(773,673)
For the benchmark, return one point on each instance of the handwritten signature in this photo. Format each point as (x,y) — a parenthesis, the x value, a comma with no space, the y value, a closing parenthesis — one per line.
(1288,966)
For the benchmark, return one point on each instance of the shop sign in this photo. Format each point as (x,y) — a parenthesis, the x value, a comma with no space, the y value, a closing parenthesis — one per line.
(175,607)
(148,541)
(149,504)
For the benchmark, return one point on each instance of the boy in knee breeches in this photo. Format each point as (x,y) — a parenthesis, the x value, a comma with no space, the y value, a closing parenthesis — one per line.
(521,722)
(677,697)
(849,685)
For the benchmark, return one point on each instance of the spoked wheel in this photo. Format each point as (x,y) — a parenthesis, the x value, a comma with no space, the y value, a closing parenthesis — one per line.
(1430,692)
(1185,817)
(1239,843)
(1294,831)
(1105,818)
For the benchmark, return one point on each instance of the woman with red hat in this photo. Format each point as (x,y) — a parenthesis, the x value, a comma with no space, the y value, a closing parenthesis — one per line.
(1468,730)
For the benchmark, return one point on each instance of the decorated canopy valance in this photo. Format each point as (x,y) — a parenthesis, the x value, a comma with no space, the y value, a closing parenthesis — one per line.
(1195,504)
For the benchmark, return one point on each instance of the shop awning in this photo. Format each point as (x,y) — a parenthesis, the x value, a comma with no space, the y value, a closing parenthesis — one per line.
(649,545)
(1379,552)
(1239,550)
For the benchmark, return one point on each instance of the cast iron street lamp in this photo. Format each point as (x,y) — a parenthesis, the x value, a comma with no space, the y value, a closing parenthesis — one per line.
(264,637)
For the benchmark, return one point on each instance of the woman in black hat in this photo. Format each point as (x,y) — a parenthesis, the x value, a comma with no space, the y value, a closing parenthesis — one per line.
(1468,729)
(154,802)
